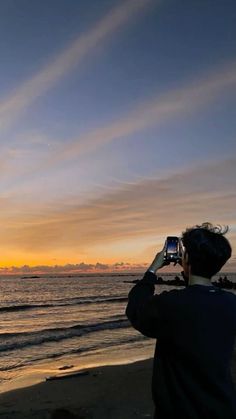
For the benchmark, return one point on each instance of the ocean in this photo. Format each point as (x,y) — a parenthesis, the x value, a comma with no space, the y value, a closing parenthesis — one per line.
(51,325)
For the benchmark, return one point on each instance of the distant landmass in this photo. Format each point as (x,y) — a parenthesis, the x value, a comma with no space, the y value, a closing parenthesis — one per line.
(223,282)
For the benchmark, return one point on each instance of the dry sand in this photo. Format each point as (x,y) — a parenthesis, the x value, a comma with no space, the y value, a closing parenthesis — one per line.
(113,392)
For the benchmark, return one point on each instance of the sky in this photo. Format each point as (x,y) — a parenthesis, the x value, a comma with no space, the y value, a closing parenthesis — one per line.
(117,129)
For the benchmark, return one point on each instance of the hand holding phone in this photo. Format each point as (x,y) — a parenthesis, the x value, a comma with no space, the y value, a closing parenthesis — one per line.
(171,253)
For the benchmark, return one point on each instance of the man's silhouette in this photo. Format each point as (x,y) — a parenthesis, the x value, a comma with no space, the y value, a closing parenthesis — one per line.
(195,329)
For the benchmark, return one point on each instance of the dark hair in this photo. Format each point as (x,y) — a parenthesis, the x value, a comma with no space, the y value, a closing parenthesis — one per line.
(207,248)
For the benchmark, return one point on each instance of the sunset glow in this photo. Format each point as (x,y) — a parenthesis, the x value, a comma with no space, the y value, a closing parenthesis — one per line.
(117,129)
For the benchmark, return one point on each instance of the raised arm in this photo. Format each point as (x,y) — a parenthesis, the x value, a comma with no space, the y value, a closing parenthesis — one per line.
(143,309)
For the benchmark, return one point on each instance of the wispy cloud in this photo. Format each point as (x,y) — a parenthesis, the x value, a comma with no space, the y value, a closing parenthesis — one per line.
(179,102)
(62,64)
(160,108)
(149,208)
(150,112)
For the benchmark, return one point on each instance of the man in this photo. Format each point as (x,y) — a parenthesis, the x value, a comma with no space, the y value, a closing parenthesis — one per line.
(195,328)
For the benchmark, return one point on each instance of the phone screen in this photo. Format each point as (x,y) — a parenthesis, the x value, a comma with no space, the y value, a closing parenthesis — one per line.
(172,245)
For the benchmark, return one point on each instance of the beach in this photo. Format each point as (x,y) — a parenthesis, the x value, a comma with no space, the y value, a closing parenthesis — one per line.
(121,391)
(109,392)
(50,322)
(65,326)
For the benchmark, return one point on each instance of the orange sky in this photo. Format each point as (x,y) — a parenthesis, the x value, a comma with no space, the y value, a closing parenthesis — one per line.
(127,224)
(117,130)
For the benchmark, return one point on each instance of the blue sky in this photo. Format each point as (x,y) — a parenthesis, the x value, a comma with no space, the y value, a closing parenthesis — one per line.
(104,105)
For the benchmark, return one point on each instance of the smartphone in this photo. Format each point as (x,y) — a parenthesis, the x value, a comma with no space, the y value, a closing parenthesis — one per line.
(172,253)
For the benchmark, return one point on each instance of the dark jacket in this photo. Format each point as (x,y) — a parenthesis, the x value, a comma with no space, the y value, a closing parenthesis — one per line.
(195,328)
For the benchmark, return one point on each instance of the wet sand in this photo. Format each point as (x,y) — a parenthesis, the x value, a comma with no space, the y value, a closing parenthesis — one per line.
(112,392)
(122,391)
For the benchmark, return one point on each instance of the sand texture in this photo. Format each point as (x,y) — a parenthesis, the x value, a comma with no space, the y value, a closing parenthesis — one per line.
(113,392)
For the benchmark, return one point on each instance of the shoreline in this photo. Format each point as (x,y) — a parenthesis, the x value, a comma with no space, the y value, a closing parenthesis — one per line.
(37,373)
(103,392)
(113,391)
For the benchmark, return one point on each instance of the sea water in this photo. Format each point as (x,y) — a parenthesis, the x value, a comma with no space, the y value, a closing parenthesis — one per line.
(50,324)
